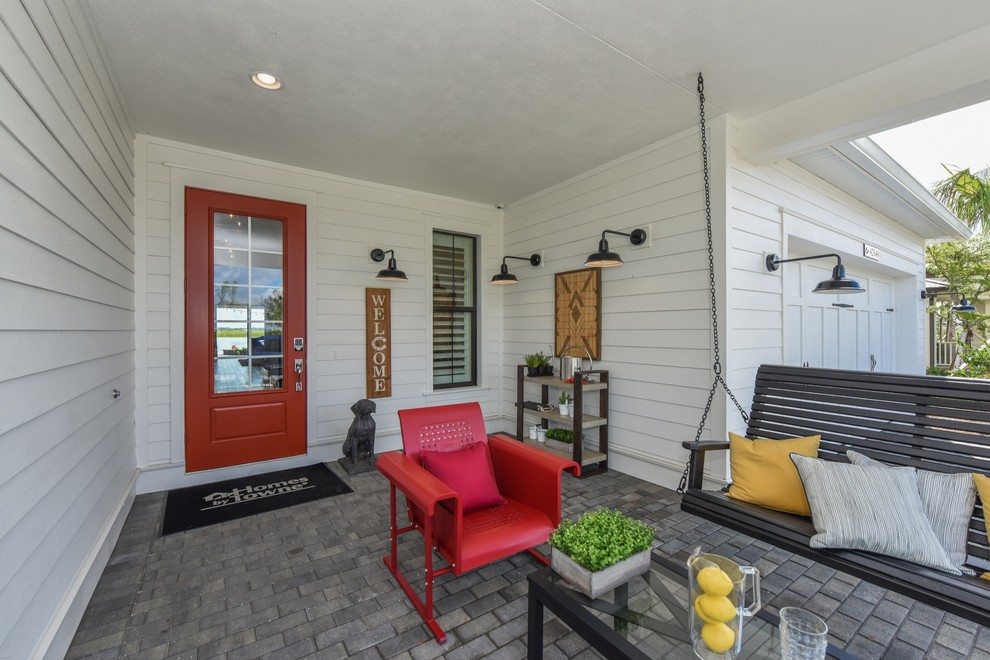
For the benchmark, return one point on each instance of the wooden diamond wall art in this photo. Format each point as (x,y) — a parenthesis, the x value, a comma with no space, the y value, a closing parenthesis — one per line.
(578,306)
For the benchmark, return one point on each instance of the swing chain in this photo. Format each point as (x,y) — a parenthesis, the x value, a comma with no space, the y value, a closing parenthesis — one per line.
(717,365)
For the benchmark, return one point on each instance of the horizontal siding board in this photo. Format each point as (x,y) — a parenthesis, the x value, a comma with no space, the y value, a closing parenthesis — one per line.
(37,94)
(32,396)
(31,308)
(24,491)
(91,87)
(27,219)
(90,491)
(26,173)
(28,263)
(60,348)
(73,21)
(67,84)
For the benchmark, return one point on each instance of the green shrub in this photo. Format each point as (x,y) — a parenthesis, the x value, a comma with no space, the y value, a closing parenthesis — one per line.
(937,371)
(601,538)
(977,362)
(561,435)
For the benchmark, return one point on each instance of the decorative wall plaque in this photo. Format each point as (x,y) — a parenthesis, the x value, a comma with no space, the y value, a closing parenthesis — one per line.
(378,352)
(578,318)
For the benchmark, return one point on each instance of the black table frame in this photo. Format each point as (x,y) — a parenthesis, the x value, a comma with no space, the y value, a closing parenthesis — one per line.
(542,593)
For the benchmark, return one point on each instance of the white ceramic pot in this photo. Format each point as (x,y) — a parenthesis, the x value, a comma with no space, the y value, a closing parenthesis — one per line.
(541,434)
(565,409)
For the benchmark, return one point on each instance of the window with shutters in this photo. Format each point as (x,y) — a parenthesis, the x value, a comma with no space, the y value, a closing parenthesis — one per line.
(455,312)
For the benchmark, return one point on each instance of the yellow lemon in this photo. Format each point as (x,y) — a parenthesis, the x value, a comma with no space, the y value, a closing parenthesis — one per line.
(713,580)
(715,608)
(718,637)
(701,615)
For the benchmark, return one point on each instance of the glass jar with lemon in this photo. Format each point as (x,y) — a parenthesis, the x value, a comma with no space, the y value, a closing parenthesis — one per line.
(717,606)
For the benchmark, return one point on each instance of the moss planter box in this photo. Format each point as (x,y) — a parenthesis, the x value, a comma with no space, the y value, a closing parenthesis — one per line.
(595,584)
(562,446)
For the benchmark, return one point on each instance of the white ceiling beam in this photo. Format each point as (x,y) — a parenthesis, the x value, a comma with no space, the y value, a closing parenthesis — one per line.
(945,77)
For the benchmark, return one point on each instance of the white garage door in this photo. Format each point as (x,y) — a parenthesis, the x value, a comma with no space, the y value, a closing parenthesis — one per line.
(852,331)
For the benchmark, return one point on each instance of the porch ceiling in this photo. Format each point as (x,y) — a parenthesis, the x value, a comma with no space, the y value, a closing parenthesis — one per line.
(492,101)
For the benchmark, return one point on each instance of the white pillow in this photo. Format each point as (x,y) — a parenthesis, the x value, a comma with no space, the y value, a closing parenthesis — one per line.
(877,509)
(948,500)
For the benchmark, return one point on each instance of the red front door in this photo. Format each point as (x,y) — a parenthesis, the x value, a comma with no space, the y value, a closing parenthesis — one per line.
(245,329)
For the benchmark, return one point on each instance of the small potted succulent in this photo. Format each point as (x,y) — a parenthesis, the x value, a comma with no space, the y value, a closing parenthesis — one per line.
(533,362)
(546,364)
(600,551)
(564,404)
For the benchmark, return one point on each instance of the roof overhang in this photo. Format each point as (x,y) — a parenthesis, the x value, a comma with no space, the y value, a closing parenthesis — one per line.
(865,171)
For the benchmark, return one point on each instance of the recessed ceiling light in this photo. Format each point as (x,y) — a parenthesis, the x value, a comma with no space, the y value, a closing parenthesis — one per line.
(266,80)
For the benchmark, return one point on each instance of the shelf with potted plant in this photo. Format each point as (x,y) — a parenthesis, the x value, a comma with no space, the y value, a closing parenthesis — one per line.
(577,420)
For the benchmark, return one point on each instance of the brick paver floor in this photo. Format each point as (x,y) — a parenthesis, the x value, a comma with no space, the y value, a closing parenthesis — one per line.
(308,582)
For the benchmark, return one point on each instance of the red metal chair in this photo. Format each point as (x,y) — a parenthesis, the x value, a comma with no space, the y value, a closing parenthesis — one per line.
(528,478)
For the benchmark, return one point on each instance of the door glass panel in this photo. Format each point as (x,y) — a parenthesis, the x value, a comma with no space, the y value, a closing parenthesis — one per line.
(247,303)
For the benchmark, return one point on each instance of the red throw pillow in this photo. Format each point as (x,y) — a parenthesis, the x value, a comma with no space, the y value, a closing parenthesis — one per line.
(468,472)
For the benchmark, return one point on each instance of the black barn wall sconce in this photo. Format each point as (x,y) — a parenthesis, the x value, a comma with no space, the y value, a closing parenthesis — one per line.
(838,283)
(962,306)
(505,277)
(604,257)
(392,273)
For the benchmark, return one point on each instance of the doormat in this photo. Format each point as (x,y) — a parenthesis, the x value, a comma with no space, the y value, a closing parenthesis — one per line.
(199,506)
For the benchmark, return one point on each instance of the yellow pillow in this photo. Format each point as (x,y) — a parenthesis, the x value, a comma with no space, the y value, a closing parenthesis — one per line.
(763,473)
(983,488)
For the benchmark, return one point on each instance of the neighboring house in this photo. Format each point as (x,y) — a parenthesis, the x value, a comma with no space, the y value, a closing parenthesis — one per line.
(92,221)
(941,329)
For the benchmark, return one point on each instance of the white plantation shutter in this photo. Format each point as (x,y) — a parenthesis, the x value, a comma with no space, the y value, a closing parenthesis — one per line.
(454,311)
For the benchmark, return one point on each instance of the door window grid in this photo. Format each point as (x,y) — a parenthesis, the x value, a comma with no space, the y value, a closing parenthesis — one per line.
(247,296)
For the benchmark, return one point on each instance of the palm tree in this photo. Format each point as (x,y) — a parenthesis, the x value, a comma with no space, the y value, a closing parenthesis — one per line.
(967,195)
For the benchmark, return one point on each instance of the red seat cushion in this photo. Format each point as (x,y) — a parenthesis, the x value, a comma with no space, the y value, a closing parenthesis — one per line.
(468,472)
(493,534)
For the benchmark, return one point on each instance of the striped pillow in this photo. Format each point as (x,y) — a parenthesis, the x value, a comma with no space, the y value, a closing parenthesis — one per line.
(948,499)
(870,508)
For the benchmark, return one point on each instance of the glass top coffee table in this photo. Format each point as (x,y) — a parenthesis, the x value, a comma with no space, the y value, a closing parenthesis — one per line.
(646,618)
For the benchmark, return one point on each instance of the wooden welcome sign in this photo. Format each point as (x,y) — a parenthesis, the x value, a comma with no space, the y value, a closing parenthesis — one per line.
(378,352)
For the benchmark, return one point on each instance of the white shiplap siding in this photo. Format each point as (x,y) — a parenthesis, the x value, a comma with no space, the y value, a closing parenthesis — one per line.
(655,327)
(771,206)
(346,218)
(67,321)
(656,324)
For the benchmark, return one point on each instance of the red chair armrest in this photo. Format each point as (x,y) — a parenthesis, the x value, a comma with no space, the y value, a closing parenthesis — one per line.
(419,486)
(530,475)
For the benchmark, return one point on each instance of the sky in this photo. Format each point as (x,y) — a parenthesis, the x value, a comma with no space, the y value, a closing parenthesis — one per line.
(960,138)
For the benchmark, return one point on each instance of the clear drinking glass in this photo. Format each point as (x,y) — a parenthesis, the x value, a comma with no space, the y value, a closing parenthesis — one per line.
(803,635)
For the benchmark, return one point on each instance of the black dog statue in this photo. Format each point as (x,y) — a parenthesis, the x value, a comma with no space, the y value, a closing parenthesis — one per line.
(359,446)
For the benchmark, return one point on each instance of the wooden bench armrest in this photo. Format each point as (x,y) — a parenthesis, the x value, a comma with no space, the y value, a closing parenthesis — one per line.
(707,445)
(696,462)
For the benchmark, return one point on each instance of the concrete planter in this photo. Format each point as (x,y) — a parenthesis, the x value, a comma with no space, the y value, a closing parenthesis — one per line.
(562,446)
(595,584)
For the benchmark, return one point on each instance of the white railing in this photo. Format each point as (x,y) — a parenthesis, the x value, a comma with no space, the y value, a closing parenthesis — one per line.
(945,353)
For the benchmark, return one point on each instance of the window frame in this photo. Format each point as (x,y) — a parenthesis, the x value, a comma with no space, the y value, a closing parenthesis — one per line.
(472,310)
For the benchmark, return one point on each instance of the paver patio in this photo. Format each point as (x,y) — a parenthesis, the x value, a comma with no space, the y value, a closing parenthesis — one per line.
(308,582)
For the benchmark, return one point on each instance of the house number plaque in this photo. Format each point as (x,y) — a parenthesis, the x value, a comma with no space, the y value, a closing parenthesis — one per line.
(378,327)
